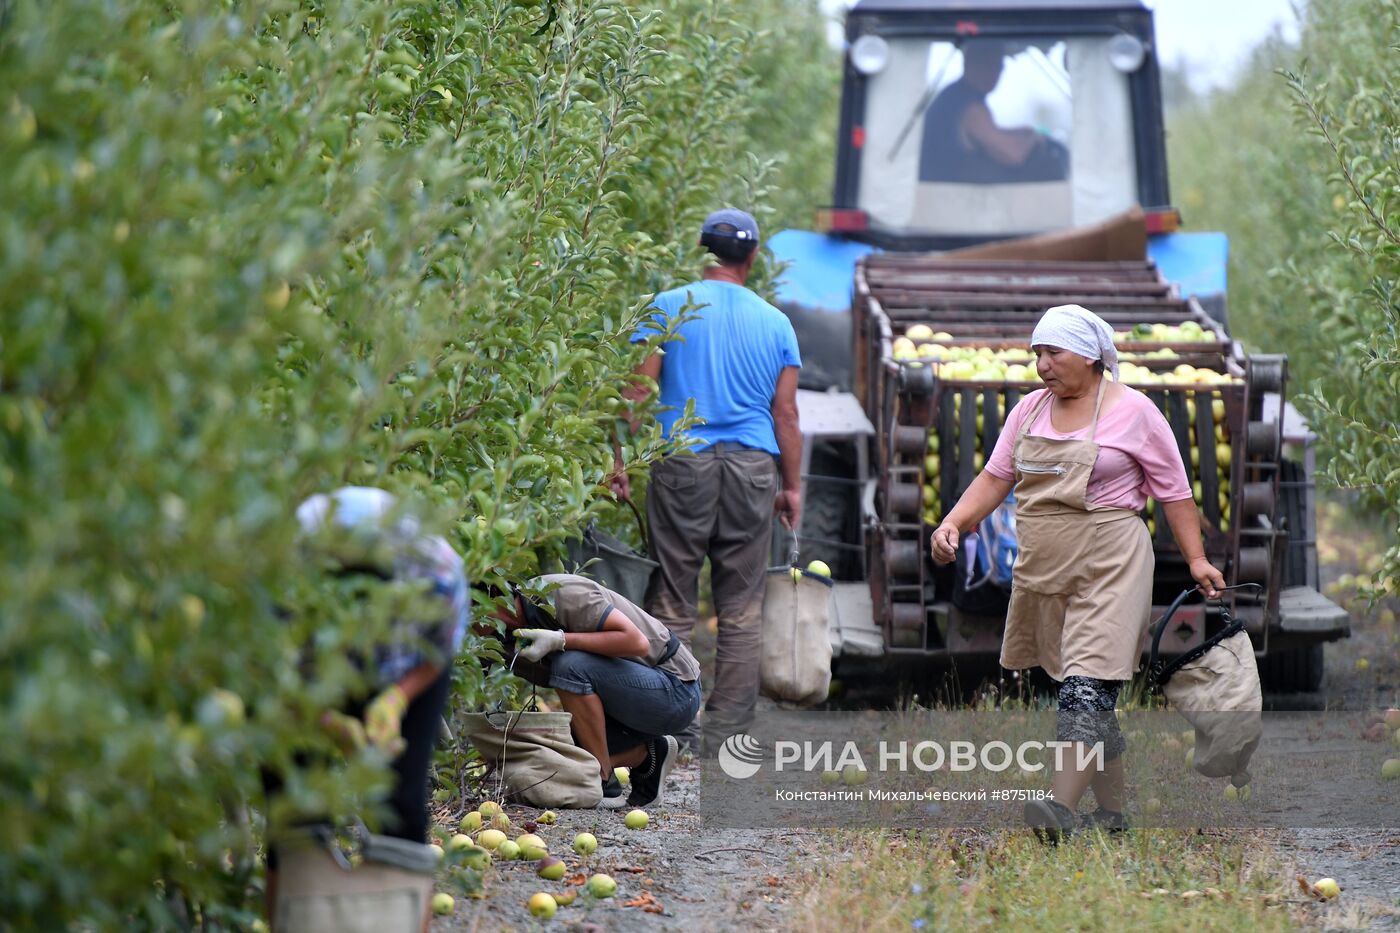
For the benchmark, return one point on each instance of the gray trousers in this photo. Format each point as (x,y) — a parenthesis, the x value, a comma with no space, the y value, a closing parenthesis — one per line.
(717,503)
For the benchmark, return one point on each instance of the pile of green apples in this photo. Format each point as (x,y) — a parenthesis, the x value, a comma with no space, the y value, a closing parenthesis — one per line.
(921,346)
(1224,454)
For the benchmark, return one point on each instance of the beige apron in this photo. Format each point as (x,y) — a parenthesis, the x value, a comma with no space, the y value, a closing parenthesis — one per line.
(1081,594)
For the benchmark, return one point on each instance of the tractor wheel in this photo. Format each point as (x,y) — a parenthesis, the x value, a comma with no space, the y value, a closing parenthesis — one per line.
(1293,670)
(826,518)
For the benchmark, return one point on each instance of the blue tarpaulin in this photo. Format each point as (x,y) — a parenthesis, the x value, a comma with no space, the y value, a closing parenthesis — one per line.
(1194,261)
(822,270)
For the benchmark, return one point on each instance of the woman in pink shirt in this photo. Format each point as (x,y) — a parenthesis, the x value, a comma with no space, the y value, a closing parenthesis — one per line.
(1082,455)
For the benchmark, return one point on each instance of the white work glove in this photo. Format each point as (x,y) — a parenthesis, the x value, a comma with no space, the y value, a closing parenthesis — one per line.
(542,641)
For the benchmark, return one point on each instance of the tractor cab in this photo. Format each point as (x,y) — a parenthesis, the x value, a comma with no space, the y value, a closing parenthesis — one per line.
(965,122)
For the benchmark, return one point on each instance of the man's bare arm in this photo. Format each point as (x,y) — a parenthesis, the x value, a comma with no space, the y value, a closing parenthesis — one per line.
(1009,147)
(786,426)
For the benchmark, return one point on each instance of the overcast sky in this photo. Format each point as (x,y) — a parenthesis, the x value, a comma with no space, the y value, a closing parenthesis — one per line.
(1211,37)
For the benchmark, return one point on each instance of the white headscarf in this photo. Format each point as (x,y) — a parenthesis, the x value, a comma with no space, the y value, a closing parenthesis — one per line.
(1080,331)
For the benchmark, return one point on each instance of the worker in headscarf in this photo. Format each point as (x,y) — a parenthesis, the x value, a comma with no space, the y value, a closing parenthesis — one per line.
(1083,454)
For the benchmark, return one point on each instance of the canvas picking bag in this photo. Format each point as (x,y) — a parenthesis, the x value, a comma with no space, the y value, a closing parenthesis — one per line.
(319,889)
(795,664)
(537,757)
(1215,686)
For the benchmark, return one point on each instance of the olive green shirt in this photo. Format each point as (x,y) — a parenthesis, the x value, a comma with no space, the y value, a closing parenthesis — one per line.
(582,605)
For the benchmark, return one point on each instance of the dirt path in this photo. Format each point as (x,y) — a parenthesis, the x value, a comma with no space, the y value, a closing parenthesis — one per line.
(701,881)
(748,880)
(1362,673)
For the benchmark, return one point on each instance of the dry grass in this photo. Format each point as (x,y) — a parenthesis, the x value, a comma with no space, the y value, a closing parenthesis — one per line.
(964,880)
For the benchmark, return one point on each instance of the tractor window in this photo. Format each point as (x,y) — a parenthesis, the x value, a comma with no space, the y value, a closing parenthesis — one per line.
(988,137)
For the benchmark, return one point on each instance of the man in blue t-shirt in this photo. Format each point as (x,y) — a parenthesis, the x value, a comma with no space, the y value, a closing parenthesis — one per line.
(737,360)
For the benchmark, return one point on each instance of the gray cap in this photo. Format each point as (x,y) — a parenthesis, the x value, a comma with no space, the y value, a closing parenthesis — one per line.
(745,227)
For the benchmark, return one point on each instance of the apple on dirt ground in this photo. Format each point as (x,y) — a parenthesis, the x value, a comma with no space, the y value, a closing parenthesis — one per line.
(543,906)
(637,819)
(585,843)
(490,838)
(1327,887)
(443,903)
(602,886)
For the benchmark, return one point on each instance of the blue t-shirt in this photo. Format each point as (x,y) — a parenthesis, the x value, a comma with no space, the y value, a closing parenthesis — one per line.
(728,360)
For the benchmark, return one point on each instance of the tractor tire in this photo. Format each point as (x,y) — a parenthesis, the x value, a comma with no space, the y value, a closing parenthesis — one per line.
(1293,670)
(826,517)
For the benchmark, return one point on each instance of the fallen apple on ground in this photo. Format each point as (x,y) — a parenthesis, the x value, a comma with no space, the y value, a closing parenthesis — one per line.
(602,886)
(1392,719)
(438,851)
(476,857)
(530,839)
(549,818)
(1237,793)
(1328,888)
(459,841)
(585,843)
(1391,769)
(471,822)
(637,819)
(489,809)
(543,906)
(508,851)
(552,868)
(490,838)
(443,904)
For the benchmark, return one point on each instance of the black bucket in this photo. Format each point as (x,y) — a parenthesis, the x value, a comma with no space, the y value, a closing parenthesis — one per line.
(613,562)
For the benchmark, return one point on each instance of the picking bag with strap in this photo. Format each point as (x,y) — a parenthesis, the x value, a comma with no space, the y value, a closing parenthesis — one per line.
(319,889)
(1215,686)
(795,664)
(537,757)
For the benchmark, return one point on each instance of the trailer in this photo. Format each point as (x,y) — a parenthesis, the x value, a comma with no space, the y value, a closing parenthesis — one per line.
(915,302)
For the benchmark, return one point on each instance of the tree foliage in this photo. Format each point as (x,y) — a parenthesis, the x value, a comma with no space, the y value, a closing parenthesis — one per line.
(249,252)
(1298,163)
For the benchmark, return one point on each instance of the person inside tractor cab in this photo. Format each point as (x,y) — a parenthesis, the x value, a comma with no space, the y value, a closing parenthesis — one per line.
(962,142)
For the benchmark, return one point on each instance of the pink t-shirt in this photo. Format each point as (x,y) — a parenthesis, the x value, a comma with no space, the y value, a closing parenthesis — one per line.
(1138,456)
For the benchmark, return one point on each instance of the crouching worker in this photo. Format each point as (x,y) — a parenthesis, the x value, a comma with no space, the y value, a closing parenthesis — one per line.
(628,682)
(360,535)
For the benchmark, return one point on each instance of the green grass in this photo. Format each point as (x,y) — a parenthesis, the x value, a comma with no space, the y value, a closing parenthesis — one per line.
(968,880)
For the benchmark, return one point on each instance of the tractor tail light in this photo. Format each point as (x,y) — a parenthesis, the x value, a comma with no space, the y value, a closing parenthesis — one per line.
(1162,220)
(842,220)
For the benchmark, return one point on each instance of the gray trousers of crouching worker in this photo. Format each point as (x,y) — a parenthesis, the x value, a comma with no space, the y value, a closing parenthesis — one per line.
(716,503)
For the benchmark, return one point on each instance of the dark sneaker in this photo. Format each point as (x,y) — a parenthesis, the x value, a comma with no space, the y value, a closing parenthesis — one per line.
(1110,821)
(613,796)
(647,790)
(1051,820)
